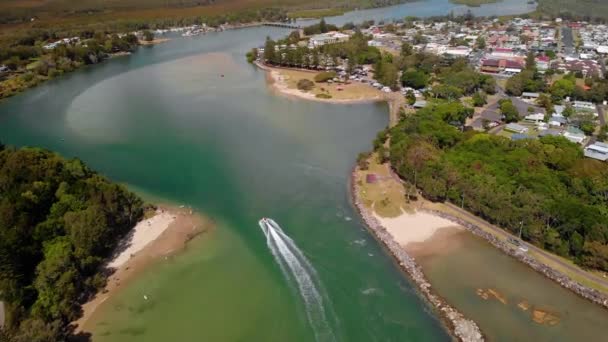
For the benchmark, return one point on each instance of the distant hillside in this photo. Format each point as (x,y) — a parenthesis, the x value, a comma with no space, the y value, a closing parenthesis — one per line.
(18,18)
(585,9)
(13,11)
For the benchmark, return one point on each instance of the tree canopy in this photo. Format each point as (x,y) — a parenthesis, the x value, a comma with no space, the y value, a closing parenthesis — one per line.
(545,186)
(58,221)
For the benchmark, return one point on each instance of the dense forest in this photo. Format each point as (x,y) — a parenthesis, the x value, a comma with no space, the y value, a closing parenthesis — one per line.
(545,187)
(58,221)
(579,9)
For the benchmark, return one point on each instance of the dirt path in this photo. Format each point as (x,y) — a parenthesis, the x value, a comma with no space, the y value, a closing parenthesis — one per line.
(395,103)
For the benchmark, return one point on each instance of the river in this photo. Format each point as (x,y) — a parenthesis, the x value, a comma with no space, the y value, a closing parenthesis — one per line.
(190,122)
(430,8)
(164,121)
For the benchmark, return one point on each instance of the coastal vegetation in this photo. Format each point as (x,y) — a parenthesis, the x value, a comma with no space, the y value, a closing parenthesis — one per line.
(287,52)
(564,86)
(30,63)
(543,189)
(580,9)
(58,221)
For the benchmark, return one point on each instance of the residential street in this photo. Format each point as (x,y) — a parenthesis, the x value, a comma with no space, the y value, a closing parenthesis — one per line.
(601,114)
(1,314)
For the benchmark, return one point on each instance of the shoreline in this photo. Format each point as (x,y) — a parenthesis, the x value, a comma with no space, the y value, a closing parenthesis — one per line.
(462,328)
(277,83)
(566,282)
(588,293)
(154,41)
(162,235)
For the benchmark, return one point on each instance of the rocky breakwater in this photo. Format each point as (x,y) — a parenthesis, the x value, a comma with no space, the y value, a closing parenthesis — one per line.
(463,329)
(565,281)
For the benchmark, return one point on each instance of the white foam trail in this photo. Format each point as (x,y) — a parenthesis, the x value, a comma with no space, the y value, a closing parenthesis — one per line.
(296,268)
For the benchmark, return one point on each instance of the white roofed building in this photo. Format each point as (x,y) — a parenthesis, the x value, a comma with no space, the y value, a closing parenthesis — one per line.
(598,150)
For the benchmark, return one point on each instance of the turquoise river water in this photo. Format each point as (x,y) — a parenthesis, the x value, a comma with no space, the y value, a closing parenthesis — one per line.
(164,122)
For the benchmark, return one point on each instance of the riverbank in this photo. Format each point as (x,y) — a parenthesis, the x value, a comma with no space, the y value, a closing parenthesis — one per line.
(284,82)
(568,276)
(165,233)
(154,41)
(24,78)
(461,327)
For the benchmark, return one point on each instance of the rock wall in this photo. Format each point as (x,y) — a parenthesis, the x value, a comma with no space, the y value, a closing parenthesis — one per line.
(565,281)
(462,328)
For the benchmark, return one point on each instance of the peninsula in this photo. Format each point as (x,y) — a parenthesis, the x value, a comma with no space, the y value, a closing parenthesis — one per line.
(66,227)
(448,88)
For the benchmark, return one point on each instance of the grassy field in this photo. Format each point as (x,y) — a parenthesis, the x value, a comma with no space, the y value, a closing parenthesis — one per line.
(386,196)
(337,91)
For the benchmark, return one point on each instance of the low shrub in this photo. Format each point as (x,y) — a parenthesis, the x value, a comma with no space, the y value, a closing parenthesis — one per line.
(305,84)
(325,76)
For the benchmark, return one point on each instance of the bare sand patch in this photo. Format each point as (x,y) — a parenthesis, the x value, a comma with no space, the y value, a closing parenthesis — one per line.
(154,41)
(284,81)
(162,235)
(142,234)
(412,228)
(444,241)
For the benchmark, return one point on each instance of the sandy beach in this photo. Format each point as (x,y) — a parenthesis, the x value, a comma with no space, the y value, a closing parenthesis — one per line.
(283,82)
(165,233)
(154,41)
(411,228)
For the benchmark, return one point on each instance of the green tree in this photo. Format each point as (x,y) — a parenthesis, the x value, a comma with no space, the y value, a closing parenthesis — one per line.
(58,220)
(479,99)
(37,330)
(509,111)
(148,35)
(447,92)
(269,51)
(57,282)
(531,61)
(411,98)
(481,43)
(305,84)
(416,79)
(595,255)
(406,49)
(252,55)
(561,89)
(323,26)
(603,134)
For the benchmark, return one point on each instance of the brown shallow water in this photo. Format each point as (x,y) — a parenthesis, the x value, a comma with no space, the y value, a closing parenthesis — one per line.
(508,300)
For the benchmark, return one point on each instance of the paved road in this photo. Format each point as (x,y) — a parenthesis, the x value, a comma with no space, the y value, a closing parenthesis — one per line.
(1,314)
(568,41)
(476,220)
(601,114)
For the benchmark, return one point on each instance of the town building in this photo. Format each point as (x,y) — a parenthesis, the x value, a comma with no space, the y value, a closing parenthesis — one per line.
(516,128)
(598,150)
(575,135)
(535,118)
(327,38)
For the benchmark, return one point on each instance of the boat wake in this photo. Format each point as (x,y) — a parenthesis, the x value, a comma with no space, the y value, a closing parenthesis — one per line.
(298,271)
